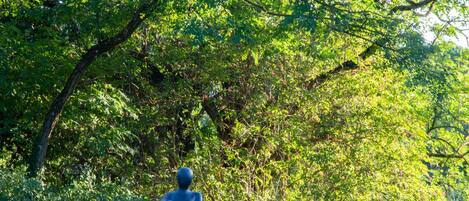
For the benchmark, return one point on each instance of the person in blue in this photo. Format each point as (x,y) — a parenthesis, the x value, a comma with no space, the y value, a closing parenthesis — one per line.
(184,177)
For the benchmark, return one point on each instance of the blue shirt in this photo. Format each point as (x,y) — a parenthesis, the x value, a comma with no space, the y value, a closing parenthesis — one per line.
(182,195)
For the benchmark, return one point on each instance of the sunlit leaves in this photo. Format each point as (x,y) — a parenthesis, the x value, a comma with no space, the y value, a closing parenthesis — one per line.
(141,111)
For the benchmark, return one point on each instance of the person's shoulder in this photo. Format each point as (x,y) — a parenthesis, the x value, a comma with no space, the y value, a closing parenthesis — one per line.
(197,196)
(168,196)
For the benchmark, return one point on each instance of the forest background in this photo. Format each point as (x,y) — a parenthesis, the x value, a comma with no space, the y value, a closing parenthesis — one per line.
(263,99)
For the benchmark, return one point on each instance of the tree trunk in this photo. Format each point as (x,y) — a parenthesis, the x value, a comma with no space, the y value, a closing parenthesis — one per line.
(42,141)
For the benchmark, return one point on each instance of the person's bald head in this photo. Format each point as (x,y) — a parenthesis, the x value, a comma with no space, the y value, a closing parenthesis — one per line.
(184,177)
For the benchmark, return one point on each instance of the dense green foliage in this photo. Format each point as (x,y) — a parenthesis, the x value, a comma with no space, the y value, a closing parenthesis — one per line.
(263,99)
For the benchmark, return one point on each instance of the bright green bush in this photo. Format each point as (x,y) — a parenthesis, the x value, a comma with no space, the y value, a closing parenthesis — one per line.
(15,185)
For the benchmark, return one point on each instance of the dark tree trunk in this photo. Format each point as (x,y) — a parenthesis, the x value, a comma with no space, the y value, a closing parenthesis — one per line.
(42,141)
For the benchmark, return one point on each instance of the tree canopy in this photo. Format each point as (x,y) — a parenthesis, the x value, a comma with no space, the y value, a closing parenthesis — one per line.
(263,99)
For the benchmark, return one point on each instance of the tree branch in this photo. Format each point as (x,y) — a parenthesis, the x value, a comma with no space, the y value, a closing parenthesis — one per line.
(412,6)
(265,10)
(428,11)
(446,142)
(347,65)
(350,64)
(444,155)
